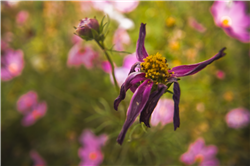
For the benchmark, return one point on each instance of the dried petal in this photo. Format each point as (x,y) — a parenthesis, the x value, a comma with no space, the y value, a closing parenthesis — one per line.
(176,98)
(141,52)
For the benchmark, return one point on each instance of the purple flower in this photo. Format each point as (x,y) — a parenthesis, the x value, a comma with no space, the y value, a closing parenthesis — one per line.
(91,153)
(79,55)
(12,63)
(26,101)
(199,152)
(37,159)
(37,111)
(238,118)
(163,112)
(151,82)
(233,18)
(84,28)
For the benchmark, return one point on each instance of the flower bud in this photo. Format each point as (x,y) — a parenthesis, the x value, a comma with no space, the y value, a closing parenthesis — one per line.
(85,26)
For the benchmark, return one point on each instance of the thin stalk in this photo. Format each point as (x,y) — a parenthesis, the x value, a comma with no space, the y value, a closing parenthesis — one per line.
(111,63)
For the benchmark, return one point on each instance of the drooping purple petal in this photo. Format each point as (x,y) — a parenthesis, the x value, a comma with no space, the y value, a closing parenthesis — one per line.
(136,65)
(141,52)
(185,70)
(176,98)
(137,103)
(132,79)
(152,102)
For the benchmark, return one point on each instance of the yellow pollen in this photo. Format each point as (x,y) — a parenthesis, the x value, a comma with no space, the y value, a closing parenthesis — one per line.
(225,23)
(156,68)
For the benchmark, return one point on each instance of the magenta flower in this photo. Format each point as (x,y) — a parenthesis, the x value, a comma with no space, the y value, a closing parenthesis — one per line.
(151,82)
(26,101)
(37,111)
(199,152)
(79,55)
(12,63)
(90,153)
(192,22)
(121,37)
(232,17)
(22,17)
(220,74)
(238,118)
(37,159)
(163,112)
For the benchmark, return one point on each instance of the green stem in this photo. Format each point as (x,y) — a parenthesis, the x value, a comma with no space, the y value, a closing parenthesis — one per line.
(111,63)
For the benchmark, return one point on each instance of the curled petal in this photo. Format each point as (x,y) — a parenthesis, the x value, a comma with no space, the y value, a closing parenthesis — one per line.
(137,103)
(136,65)
(152,102)
(185,70)
(141,52)
(132,79)
(176,98)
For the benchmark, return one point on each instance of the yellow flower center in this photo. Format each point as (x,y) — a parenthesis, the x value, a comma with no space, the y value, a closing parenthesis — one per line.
(92,155)
(226,21)
(156,68)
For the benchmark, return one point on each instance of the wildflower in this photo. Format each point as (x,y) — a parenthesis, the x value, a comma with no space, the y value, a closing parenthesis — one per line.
(120,37)
(85,27)
(199,152)
(220,74)
(163,112)
(232,18)
(26,101)
(151,82)
(91,153)
(195,25)
(238,118)
(22,17)
(37,159)
(37,111)
(79,55)
(12,63)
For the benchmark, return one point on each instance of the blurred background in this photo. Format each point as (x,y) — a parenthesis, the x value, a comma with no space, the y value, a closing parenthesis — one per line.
(79,97)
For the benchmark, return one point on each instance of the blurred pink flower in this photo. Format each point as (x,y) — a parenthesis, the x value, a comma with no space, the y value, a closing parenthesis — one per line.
(36,112)
(233,18)
(79,55)
(122,72)
(220,74)
(22,17)
(26,101)
(75,39)
(121,6)
(238,118)
(192,22)
(90,153)
(121,37)
(199,152)
(106,67)
(12,63)
(163,112)
(125,6)
(37,159)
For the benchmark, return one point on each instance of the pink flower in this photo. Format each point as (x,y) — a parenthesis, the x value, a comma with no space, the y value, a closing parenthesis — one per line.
(120,37)
(106,67)
(195,25)
(37,111)
(22,17)
(238,118)
(163,112)
(123,7)
(37,159)
(75,39)
(79,55)
(85,26)
(199,152)
(232,17)
(90,153)
(220,74)
(26,101)
(12,63)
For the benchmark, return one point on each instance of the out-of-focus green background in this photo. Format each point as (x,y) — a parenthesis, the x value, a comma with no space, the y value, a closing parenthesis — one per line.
(79,98)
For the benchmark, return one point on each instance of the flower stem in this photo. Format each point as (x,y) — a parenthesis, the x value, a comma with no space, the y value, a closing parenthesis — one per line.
(111,63)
